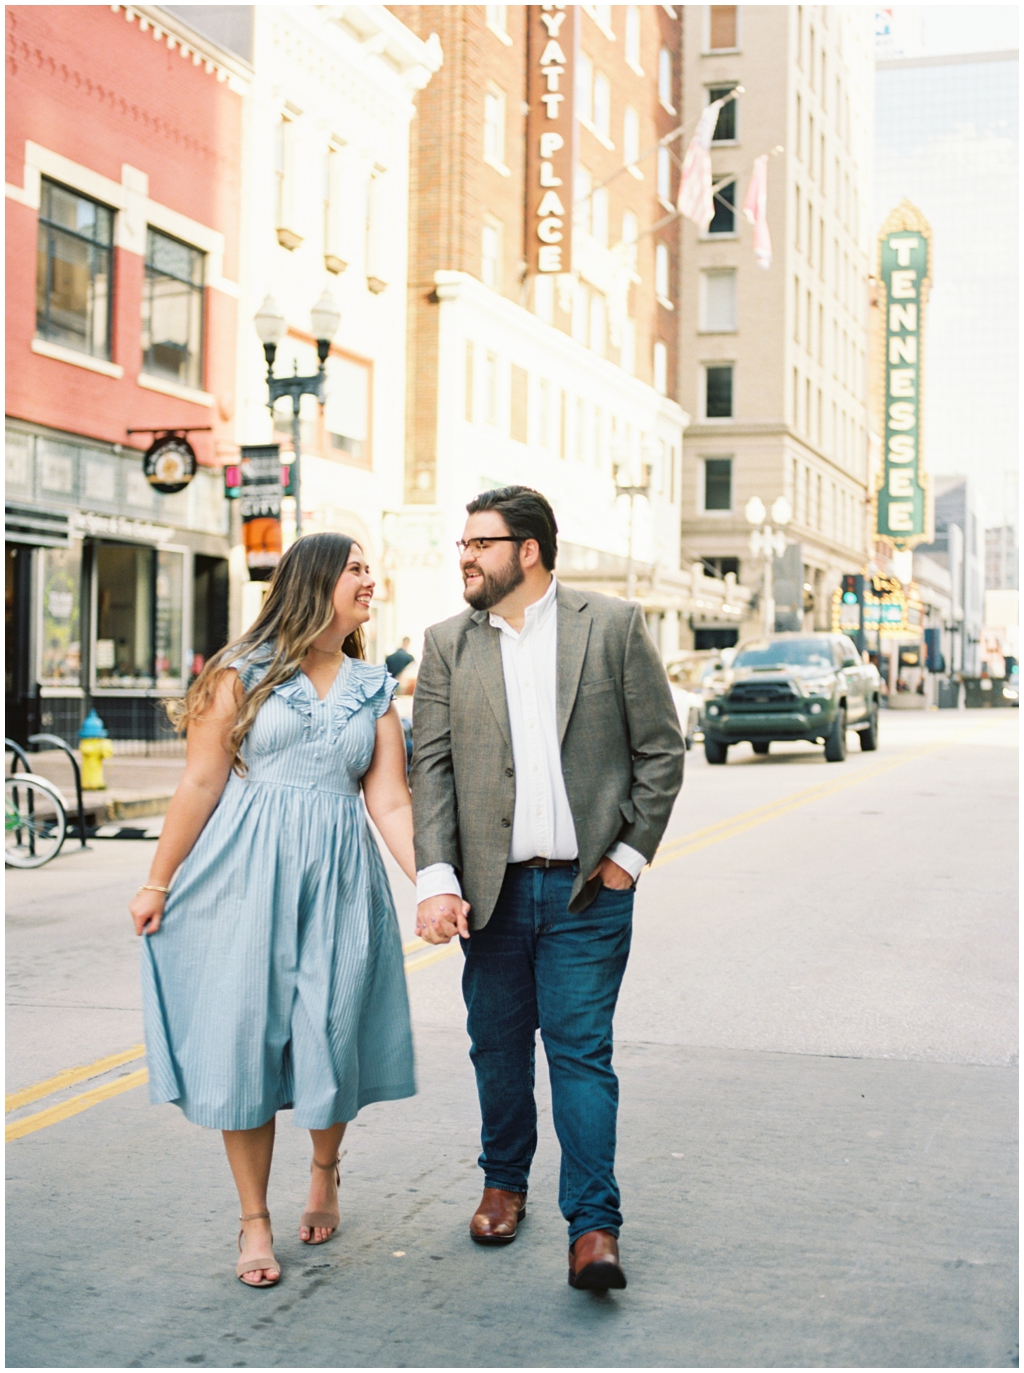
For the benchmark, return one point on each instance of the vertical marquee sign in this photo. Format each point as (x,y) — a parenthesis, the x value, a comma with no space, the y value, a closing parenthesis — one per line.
(550,137)
(903,502)
(260,502)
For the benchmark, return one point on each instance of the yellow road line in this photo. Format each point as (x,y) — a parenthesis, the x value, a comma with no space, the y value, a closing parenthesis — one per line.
(414,944)
(445,951)
(70,1076)
(747,820)
(74,1105)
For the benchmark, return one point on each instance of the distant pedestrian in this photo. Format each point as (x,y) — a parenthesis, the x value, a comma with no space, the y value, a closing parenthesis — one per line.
(547,758)
(397,662)
(272,972)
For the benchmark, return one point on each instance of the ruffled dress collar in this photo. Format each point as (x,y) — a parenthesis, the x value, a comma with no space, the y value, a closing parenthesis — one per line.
(357,684)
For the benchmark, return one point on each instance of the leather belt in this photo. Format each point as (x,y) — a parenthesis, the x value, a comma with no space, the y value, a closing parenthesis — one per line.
(546,863)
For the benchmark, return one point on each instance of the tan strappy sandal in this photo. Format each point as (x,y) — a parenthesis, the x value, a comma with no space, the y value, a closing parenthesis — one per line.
(252,1263)
(324,1219)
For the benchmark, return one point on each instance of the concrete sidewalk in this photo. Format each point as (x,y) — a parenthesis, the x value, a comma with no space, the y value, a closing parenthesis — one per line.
(136,786)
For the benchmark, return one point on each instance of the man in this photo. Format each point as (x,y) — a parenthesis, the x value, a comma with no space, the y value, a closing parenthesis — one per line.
(397,662)
(547,756)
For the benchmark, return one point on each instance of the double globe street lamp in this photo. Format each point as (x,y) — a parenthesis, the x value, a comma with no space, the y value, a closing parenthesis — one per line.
(271,326)
(768,543)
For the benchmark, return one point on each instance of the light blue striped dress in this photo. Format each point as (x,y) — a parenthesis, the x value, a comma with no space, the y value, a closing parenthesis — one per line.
(276,978)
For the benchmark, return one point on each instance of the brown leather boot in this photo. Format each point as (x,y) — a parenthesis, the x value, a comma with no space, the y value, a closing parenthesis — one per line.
(497,1216)
(594,1262)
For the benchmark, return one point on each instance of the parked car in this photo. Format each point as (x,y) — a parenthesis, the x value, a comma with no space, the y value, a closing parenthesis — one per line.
(687,672)
(792,686)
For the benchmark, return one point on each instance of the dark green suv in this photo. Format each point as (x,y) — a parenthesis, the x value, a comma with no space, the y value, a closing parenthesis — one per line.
(792,686)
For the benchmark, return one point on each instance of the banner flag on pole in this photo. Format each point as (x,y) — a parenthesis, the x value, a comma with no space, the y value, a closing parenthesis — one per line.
(696,200)
(755,207)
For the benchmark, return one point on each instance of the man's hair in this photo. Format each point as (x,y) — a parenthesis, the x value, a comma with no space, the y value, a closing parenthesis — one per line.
(527,515)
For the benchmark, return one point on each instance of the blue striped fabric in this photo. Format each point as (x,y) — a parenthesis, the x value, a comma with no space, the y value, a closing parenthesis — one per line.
(276,978)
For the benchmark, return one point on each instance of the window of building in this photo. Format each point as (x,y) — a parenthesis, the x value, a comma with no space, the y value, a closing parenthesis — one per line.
(718,301)
(631,139)
(799,129)
(581,430)
(580,312)
(598,324)
(627,346)
(334,191)
(632,36)
(490,240)
(583,184)
(602,15)
(724,221)
(599,215)
(138,617)
(665,176)
(60,647)
(73,270)
(603,105)
(797,217)
(718,391)
(519,392)
(494,126)
(721,567)
(470,379)
(497,18)
(172,310)
(722,27)
(380,222)
(630,234)
(660,360)
(662,273)
(718,483)
(796,309)
(491,392)
(544,412)
(665,79)
(584,88)
(725,128)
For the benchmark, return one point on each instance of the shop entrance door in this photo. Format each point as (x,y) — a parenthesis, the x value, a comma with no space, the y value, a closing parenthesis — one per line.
(20,696)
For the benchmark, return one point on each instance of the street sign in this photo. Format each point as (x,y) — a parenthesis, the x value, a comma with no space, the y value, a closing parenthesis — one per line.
(903,505)
(169,464)
(260,505)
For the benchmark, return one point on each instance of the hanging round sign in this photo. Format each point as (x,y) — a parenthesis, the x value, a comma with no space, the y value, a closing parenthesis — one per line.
(169,464)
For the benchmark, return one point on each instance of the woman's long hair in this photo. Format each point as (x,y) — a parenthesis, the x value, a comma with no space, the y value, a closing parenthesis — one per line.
(299,606)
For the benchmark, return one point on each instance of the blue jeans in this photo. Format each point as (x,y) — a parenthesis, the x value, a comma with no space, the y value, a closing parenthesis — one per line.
(535,965)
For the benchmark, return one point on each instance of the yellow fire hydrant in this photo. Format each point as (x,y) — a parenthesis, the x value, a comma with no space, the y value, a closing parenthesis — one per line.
(94,746)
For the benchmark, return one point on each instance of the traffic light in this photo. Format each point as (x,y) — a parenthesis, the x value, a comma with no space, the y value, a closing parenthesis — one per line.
(853,588)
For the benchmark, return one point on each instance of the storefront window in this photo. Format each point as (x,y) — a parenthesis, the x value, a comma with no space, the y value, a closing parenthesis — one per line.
(60,648)
(139,596)
(168,619)
(124,616)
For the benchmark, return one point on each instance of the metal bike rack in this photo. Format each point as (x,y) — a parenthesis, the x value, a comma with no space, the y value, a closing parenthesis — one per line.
(56,741)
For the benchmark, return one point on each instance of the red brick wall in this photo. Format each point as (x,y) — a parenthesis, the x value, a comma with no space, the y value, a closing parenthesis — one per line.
(85,83)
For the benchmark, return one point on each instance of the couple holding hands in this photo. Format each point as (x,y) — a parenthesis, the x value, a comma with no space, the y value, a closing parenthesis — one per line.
(547,756)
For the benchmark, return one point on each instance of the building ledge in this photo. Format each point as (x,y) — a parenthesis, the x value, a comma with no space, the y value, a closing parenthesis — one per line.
(172,388)
(58,353)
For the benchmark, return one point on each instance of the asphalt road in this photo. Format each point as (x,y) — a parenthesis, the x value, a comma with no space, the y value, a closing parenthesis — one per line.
(817,1048)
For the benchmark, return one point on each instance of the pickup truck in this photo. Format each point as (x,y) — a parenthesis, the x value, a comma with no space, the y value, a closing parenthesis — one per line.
(792,686)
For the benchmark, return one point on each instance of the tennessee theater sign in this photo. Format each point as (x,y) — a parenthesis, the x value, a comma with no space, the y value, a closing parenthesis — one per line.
(550,137)
(903,501)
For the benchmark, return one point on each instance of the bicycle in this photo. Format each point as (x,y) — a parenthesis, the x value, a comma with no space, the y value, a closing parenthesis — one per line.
(35,820)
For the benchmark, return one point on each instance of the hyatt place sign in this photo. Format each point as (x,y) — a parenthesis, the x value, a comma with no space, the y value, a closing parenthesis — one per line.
(904,274)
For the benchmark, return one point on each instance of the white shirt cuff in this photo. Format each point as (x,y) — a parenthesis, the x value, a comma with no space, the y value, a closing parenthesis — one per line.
(440,880)
(627,858)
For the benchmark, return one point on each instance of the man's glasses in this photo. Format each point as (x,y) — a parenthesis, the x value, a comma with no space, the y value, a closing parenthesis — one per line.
(476,546)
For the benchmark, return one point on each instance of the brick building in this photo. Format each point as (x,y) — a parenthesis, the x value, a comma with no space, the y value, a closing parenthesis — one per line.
(122,186)
(558,379)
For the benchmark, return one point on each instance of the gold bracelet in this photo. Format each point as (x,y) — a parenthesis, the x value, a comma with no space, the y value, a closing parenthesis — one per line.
(150,887)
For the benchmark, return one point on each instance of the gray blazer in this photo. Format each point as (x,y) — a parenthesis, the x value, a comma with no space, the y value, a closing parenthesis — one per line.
(622,749)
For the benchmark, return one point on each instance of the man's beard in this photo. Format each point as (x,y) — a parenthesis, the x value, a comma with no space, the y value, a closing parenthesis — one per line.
(495,586)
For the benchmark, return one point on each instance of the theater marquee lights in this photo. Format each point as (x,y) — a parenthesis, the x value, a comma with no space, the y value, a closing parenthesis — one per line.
(903,500)
(551,137)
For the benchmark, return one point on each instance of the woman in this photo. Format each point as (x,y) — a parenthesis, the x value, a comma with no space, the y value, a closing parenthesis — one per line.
(272,971)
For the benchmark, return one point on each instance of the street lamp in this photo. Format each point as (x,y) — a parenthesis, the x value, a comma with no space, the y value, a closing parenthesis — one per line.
(271,328)
(768,543)
(623,487)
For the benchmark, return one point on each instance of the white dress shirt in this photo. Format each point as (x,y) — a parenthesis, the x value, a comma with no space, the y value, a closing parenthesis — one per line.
(542,824)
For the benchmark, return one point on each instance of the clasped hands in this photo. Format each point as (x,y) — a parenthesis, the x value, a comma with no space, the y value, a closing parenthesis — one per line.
(440,918)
